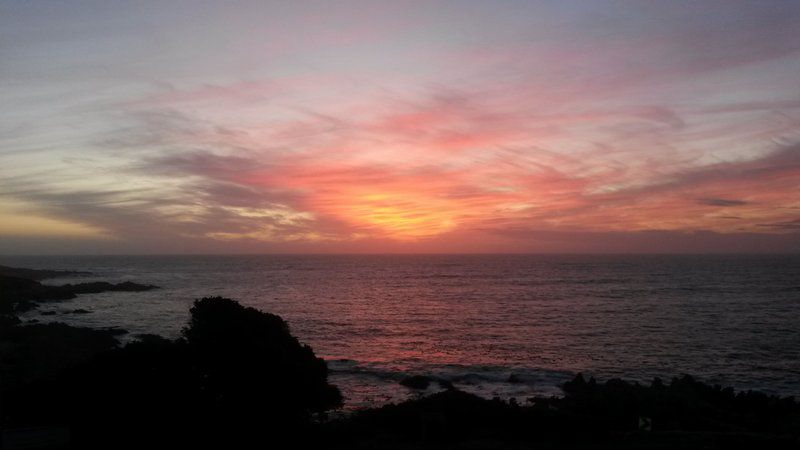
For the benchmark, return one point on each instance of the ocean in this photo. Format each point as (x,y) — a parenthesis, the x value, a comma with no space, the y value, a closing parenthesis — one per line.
(495,325)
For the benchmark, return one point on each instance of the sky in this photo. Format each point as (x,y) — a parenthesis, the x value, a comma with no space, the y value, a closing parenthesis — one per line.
(399,126)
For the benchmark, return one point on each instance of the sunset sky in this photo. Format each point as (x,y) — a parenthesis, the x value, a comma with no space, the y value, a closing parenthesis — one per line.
(399,126)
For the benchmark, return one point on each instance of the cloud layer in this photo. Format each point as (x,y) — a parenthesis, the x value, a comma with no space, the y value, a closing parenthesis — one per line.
(629,127)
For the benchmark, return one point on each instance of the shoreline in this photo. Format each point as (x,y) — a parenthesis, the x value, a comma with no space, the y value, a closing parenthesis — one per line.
(469,377)
(587,414)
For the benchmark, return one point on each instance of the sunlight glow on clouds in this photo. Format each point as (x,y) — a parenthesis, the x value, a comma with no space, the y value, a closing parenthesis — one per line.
(434,126)
(15,221)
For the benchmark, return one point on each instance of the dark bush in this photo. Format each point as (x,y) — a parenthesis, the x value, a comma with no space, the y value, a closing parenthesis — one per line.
(416,382)
(249,356)
(236,374)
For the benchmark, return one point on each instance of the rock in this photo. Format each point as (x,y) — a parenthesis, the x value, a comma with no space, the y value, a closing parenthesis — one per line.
(21,291)
(17,294)
(115,331)
(445,384)
(514,379)
(37,274)
(97,287)
(416,381)
(149,338)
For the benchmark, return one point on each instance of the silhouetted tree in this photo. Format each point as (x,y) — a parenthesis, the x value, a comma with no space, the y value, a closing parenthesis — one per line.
(249,357)
(236,374)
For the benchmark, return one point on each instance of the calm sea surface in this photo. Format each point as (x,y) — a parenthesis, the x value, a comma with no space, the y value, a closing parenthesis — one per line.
(475,320)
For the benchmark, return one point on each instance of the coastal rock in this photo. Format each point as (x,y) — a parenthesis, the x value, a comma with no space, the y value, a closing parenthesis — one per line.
(422,382)
(445,384)
(18,294)
(20,291)
(115,331)
(38,274)
(419,382)
(97,287)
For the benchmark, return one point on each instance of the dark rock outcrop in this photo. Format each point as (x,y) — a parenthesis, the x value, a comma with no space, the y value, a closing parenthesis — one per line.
(422,382)
(97,287)
(25,289)
(416,382)
(38,274)
(514,379)
(19,294)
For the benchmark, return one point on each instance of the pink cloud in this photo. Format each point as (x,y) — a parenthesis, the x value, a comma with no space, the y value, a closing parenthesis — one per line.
(461,160)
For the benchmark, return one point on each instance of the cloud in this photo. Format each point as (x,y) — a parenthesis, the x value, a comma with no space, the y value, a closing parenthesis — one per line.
(721,202)
(207,180)
(650,241)
(617,118)
(788,225)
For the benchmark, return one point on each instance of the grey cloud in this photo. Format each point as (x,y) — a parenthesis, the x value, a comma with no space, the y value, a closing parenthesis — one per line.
(720,202)
(663,115)
(789,225)
(199,163)
(156,215)
(781,162)
(147,128)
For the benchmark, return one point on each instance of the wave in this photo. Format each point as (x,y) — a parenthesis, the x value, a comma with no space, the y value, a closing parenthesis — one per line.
(457,374)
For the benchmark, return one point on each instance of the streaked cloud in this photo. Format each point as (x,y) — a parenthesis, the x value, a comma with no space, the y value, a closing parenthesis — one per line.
(432,127)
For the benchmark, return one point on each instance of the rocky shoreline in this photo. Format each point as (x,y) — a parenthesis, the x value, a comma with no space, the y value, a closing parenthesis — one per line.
(21,290)
(236,376)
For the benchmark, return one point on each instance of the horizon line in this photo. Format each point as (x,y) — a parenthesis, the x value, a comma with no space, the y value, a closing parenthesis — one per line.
(734,253)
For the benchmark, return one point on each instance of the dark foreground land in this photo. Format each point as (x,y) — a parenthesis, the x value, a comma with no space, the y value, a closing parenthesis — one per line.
(237,378)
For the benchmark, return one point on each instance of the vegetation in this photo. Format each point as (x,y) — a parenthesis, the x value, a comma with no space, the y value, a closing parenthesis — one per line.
(615,414)
(234,375)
